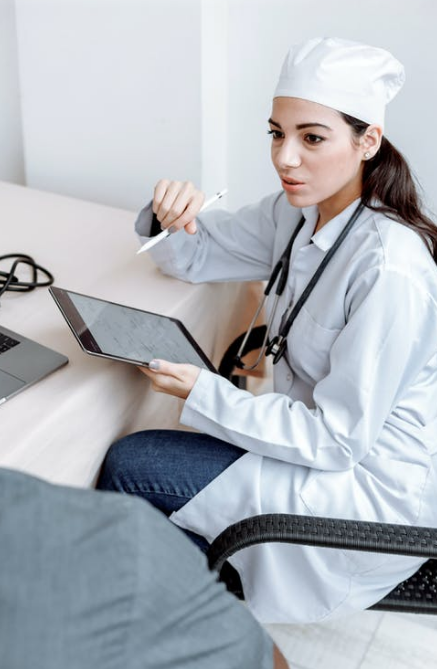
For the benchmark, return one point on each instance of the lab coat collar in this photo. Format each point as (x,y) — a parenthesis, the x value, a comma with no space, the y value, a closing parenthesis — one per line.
(327,235)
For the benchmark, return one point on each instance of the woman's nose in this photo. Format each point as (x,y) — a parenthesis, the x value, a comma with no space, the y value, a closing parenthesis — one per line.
(288,156)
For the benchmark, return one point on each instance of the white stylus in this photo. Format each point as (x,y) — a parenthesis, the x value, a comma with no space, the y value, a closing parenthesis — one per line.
(165,233)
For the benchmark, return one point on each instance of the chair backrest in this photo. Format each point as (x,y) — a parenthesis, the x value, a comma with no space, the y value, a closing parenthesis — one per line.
(254,341)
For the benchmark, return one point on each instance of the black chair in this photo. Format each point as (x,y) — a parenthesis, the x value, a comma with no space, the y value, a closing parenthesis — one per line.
(418,594)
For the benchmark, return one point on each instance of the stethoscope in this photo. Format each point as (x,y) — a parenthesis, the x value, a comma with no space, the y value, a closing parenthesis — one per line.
(10,281)
(278,344)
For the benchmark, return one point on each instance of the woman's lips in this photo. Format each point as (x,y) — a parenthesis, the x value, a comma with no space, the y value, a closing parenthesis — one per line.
(292,185)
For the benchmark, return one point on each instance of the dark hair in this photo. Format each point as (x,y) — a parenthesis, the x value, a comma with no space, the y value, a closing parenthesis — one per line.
(389,187)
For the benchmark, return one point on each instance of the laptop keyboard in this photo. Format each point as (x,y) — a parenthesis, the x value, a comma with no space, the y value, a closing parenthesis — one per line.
(7,343)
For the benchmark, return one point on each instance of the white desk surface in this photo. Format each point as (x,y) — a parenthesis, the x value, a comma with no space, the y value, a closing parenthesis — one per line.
(60,428)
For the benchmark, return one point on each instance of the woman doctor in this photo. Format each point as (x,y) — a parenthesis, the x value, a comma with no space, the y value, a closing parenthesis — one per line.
(350,430)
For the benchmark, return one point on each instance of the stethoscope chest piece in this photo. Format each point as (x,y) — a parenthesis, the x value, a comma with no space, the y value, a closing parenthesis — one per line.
(276,347)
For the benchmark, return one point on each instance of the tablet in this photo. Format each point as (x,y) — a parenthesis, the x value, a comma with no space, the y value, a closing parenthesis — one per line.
(124,333)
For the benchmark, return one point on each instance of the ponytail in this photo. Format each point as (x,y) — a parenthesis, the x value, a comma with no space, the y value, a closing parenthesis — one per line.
(388,187)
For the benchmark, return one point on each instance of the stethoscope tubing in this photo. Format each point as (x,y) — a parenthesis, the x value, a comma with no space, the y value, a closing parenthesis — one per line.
(277,345)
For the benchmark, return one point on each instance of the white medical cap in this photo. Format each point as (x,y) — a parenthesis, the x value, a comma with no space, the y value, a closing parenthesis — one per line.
(350,77)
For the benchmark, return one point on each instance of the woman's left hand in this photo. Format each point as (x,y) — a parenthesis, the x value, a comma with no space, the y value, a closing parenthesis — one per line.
(171,378)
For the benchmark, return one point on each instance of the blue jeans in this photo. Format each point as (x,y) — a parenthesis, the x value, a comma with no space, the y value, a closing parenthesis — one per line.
(166,467)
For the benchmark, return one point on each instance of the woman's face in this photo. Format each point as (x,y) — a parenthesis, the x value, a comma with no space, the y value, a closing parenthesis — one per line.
(315,155)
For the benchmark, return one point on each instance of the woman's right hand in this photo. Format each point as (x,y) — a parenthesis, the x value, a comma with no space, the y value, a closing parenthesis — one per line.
(176,205)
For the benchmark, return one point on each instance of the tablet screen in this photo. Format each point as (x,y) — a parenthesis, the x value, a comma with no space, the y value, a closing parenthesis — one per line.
(117,331)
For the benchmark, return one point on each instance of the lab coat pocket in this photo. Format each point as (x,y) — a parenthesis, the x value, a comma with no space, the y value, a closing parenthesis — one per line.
(309,345)
(377,489)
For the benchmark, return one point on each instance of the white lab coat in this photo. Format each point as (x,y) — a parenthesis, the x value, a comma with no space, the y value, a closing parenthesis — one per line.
(350,430)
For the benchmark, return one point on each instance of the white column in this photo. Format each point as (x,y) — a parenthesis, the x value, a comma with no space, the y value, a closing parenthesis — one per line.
(214,91)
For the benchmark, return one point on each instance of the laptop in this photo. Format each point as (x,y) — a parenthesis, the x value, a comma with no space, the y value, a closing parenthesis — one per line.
(23,362)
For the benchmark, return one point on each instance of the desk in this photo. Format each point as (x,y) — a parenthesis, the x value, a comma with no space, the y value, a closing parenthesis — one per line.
(61,428)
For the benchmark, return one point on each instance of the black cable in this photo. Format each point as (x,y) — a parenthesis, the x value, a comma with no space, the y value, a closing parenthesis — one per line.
(10,281)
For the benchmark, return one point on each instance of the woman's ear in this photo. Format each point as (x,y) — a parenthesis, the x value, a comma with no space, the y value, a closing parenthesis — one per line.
(371,141)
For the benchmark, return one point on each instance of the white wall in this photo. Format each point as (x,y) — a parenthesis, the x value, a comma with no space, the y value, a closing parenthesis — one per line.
(111,95)
(260,33)
(118,93)
(11,145)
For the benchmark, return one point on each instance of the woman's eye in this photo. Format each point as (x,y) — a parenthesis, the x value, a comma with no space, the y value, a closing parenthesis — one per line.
(276,134)
(314,139)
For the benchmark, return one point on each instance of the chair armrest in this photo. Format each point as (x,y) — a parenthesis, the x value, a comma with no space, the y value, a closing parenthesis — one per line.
(323,532)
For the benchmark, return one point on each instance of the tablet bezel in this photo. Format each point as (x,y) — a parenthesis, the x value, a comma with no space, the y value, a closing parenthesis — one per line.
(86,340)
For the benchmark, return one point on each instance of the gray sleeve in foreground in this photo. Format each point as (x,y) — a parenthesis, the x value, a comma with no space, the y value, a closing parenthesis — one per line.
(184,618)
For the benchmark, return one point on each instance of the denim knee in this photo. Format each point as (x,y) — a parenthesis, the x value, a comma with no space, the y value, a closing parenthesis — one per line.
(118,461)
(165,462)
